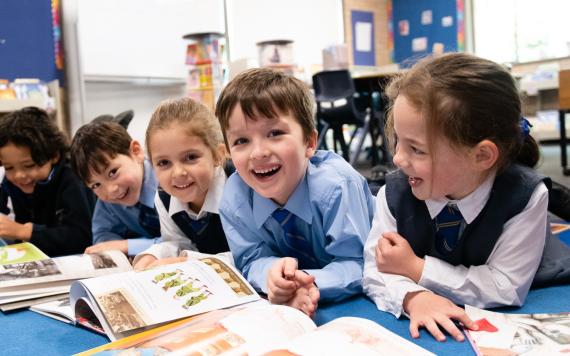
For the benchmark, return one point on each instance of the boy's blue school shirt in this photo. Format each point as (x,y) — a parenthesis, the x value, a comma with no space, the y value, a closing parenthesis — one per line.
(112,221)
(334,209)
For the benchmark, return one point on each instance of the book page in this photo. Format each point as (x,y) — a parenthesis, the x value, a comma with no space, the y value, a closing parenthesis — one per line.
(252,329)
(518,334)
(19,253)
(62,268)
(350,336)
(134,300)
(58,309)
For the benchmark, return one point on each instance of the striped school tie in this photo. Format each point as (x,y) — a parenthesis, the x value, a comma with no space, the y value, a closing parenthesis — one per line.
(448,224)
(297,244)
(201,224)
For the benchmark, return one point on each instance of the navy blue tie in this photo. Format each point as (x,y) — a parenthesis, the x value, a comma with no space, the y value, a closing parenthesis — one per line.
(199,225)
(297,244)
(448,224)
(148,219)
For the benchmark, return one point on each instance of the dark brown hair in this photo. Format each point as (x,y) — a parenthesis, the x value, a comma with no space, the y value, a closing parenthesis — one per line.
(95,144)
(33,128)
(467,99)
(263,92)
(195,117)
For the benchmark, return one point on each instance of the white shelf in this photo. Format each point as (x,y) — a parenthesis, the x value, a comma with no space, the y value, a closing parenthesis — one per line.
(7,105)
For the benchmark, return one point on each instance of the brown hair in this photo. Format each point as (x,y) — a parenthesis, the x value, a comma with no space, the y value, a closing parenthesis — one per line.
(467,99)
(95,144)
(197,119)
(33,128)
(263,92)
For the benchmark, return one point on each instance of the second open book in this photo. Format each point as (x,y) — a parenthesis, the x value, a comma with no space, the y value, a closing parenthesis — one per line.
(262,329)
(127,303)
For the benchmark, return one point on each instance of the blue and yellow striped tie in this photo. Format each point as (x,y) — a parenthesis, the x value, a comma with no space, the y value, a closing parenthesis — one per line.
(297,244)
(448,225)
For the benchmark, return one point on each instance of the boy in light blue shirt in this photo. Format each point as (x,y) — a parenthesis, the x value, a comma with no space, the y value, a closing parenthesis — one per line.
(296,219)
(113,165)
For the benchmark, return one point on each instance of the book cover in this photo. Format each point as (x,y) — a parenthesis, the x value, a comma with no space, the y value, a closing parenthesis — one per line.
(20,253)
(519,334)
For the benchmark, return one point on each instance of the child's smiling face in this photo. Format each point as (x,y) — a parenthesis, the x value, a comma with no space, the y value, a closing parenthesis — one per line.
(270,154)
(21,169)
(184,164)
(435,169)
(120,182)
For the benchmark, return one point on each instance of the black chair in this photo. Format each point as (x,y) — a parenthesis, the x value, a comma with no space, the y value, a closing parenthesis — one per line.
(123,119)
(336,107)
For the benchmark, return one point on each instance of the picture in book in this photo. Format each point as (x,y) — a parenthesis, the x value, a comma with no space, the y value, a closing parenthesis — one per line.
(146,298)
(519,334)
(262,329)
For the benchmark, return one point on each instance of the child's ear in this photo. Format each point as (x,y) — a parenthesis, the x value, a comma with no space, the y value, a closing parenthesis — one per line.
(55,159)
(137,151)
(220,154)
(486,154)
(311,144)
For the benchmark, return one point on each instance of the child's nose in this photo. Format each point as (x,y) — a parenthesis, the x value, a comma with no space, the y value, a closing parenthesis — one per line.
(259,151)
(179,171)
(399,158)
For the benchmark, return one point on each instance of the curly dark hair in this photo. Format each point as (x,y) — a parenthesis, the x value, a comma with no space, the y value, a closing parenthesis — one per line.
(32,127)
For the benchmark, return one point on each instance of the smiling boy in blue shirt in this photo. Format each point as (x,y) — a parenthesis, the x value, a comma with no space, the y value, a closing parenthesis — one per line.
(268,126)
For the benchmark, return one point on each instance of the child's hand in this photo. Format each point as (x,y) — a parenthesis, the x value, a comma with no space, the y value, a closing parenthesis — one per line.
(144,262)
(306,296)
(12,230)
(121,245)
(432,311)
(166,261)
(281,284)
(395,255)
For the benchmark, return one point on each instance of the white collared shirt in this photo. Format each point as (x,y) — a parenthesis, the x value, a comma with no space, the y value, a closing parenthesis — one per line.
(175,240)
(505,278)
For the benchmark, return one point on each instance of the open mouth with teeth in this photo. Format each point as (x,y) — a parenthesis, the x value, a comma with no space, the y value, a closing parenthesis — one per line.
(183,186)
(268,172)
(414,181)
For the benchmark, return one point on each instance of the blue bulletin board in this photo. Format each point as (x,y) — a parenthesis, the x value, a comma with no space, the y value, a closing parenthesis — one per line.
(363,44)
(422,27)
(27,46)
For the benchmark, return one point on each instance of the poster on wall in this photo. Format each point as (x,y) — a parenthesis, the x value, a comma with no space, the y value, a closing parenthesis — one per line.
(426,27)
(363,46)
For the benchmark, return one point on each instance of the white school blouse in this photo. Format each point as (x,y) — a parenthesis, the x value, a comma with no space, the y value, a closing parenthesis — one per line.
(504,280)
(173,240)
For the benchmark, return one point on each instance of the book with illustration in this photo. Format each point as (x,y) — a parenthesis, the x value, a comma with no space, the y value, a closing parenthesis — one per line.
(20,253)
(519,334)
(262,329)
(127,303)
(43,277)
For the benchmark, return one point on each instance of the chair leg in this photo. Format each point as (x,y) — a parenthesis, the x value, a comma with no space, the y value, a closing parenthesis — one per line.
(339,138)
(322,142)
(361,138)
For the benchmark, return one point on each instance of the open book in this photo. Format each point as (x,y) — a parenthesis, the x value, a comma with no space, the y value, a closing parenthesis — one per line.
(19,253)
(518,334)
(263,329)
(126,303)
(23,283)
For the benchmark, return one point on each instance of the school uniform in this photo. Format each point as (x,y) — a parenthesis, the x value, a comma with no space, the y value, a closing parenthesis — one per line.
(333,210)
(496,258)
(60,209)
(175,232)
(117,222)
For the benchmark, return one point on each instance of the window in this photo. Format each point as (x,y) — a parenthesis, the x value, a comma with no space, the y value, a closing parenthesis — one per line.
(521,30)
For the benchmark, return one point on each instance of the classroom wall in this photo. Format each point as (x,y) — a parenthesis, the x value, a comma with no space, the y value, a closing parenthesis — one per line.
(129,55)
